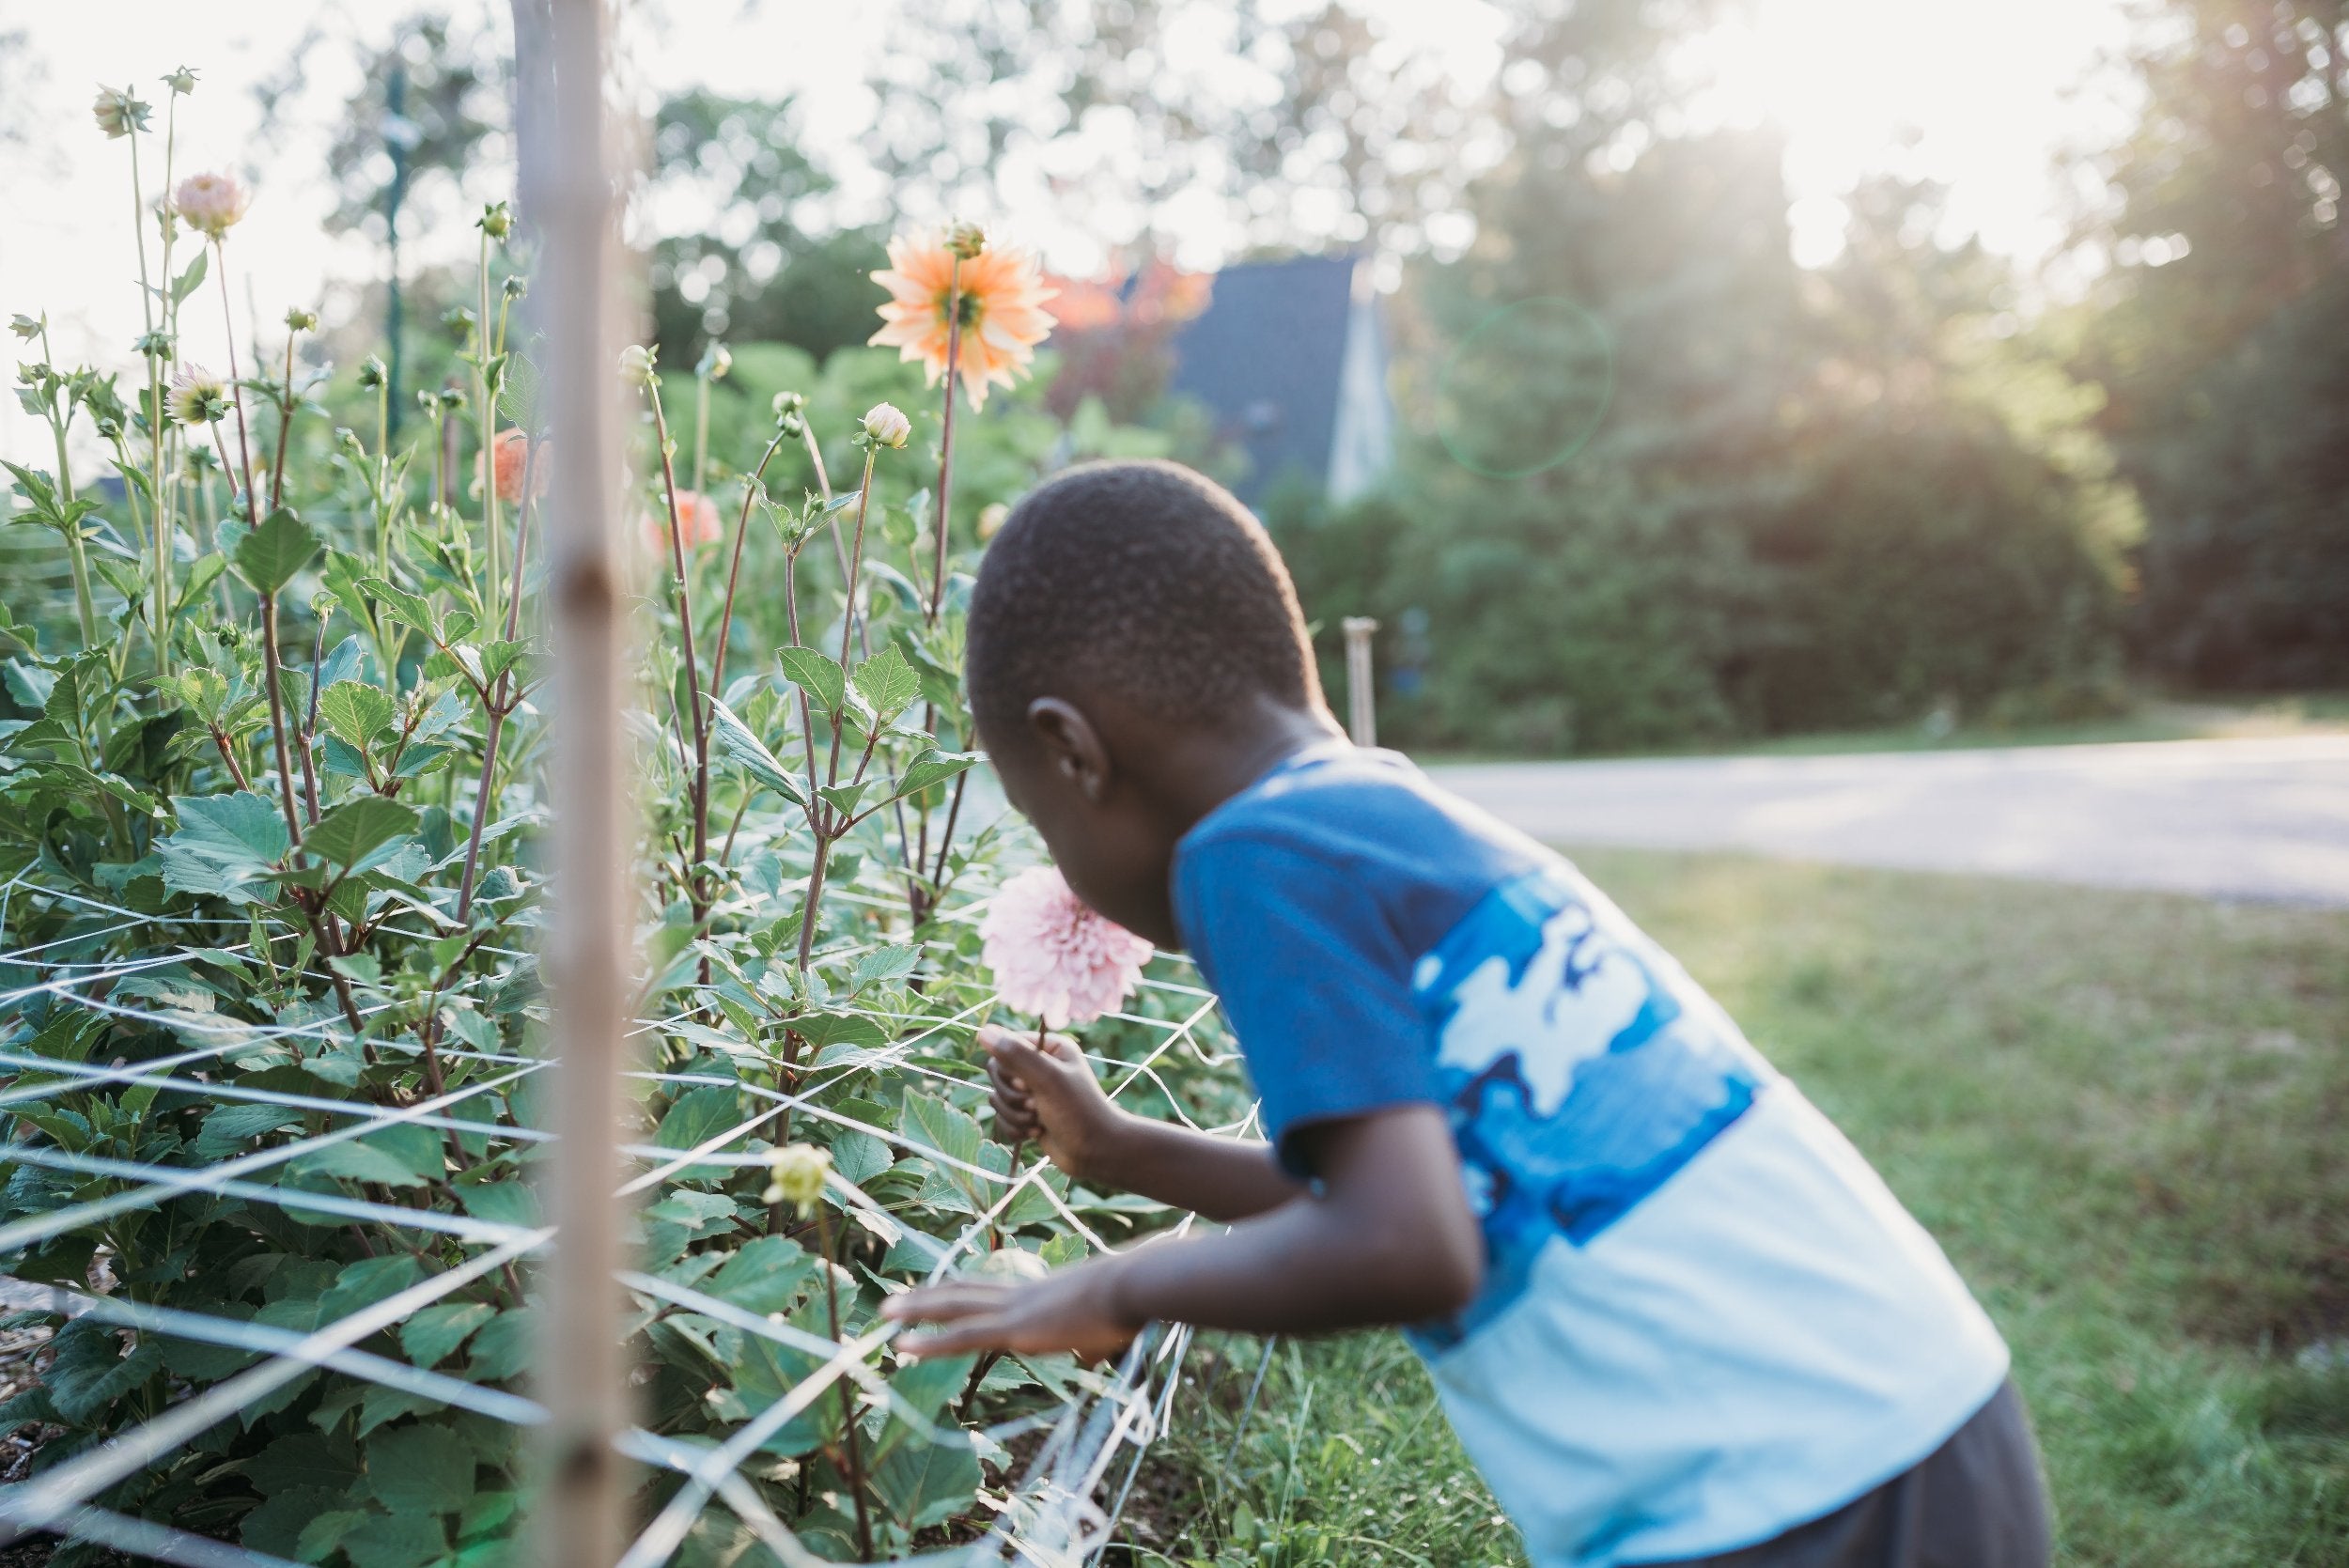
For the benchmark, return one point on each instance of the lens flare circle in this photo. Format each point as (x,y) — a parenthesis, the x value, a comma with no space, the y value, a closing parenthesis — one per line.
(1499,422)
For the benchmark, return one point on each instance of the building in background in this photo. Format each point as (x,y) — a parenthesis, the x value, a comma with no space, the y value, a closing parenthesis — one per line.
(1290,357)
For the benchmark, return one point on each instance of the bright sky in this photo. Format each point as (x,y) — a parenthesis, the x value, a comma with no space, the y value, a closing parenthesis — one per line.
(1984,85)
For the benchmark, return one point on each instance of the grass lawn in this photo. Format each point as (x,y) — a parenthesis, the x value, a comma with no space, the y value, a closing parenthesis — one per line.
(2123,1116)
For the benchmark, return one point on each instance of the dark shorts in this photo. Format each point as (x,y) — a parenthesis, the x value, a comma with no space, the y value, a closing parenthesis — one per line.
(1977,1502)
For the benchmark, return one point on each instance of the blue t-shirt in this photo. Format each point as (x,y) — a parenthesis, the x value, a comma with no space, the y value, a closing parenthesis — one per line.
(1705,1320)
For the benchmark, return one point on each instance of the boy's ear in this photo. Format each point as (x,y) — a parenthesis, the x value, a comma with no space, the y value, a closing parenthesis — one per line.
(1072,747)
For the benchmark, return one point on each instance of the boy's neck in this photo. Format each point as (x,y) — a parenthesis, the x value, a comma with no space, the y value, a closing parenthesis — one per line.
(1197,771)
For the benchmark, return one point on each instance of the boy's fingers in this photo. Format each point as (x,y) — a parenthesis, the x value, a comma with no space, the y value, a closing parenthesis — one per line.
(978,1333)
(944,1303)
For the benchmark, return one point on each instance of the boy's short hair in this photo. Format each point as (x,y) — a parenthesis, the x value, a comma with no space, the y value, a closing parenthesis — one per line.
(1142,580)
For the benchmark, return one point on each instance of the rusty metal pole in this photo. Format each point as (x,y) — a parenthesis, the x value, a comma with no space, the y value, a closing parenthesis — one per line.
(1361,696)
(570,199)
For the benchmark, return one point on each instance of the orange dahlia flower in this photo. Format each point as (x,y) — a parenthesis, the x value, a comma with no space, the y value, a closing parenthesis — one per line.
(1003,294)
(510,456)
(697,523)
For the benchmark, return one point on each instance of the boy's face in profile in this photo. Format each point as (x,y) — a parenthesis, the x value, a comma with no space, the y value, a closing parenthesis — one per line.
(1110,848)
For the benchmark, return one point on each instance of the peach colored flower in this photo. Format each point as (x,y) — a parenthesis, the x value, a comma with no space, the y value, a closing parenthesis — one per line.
(511,454)
(696,520)
(1002,295)
(1053,956)
(211,202)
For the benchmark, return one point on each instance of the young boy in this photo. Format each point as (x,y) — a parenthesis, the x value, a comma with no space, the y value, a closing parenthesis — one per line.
(1672,1314)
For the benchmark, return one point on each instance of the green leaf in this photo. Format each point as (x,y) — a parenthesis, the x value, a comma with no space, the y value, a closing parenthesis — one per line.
(503,1349)
(227,1130)
(400,605)
(189,281)
(883,963)
(925,1483)
(930,1383)
(434,1334)
(502,1202)
(224,845)
(835,1028)
(90,1371)
(324,1532)
(355,712)
(737,743)
(698,1116)
(365,1282)
(888,682)
(268,558)
(348,834)
(292,1464)
(277,1527)
(395,1541)
(933,768)
(766,1276)
(816,674)
(859,1157)
(518,400)
(420,1470)
(939,1126)
(844,798)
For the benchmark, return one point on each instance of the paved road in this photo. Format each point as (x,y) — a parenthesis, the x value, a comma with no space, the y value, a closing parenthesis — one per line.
(2255,818)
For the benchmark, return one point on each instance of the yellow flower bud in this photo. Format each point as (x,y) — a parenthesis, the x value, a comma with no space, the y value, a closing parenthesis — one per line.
(796,1175)
(885,425)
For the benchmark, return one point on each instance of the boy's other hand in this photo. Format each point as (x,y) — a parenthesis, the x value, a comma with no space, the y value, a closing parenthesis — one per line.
(1073,1311)
(1047,1094)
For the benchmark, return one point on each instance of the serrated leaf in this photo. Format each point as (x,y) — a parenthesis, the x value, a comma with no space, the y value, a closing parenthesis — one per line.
(395,1541)
(434,1334)
(925,1483)
(815,674)
(888,682)
(765,1275)
(290,1463)
(933,768)
(834,1029)
(737,743)
(89,1371)
(502,1202)
(355,711)
(503,1349)
(859,1157)
(348,834)
(698,1116)
(229,1128)
(268,558)
(226,844)
(279,1527)
(936,1124)
(884,963)
(410,610)
(518,400)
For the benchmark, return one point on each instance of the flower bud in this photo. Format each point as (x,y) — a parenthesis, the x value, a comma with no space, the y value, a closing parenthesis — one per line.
(297,320)
(636,362)
(515,287)
(716,361)
(497,220)
(885,425)
(155,344)
(991,518)
(28,327)
(966,239)
(118,113)
(347,438)
(196,398)
(371,372)
(796,1175)
(182,81)
(108,427)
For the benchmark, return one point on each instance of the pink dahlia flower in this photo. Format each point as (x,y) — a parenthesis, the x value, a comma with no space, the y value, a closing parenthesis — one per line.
(510,456)
(211,202)
(697,523)
(1054,957)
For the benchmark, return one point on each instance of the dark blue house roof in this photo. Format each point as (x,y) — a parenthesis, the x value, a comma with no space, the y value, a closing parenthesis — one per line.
(1266,356)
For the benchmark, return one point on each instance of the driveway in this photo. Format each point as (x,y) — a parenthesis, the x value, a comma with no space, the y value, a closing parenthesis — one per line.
(2250,818)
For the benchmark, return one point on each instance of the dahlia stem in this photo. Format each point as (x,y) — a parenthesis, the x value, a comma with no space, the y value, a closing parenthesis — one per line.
(236,392)
(160,627)
(693,675)
(741,530)
(847,1399)
(946,441)
(482,391)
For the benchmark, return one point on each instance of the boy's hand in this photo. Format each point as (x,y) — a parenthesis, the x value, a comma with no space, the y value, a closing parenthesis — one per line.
(1049,1094)
(1073,1311)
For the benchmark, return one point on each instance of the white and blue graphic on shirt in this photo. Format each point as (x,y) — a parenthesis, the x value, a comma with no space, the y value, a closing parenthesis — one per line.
(1578,1081)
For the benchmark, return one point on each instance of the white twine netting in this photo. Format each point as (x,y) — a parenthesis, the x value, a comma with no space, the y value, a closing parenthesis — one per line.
(1060,1512)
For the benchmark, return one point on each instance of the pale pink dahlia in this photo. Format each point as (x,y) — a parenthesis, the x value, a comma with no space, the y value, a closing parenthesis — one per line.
(1054,957)
(212,203)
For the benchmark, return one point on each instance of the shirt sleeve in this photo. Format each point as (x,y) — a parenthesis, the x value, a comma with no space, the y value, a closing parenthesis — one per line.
(1312,979)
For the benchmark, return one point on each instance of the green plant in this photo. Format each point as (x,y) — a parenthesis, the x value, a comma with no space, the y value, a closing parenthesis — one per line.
(270,1010)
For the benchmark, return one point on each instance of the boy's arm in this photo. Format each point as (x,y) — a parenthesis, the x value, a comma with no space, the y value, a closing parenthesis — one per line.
(1387,1238)
(1049,1094)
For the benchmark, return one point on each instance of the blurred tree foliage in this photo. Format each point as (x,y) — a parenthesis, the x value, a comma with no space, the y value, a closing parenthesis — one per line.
(2220,334)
